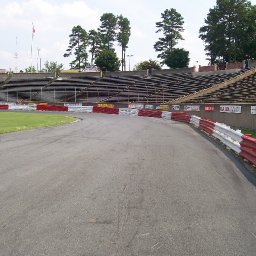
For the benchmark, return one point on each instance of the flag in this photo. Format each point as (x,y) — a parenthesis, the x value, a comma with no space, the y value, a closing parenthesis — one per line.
(33,31)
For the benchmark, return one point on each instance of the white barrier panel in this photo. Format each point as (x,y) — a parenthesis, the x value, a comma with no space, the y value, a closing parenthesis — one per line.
(234,145)
(124,111)
(166,115)
(134,112)
(31,107)
(224,129)
(74,108)
(87,109)
(195,120)
(21,107)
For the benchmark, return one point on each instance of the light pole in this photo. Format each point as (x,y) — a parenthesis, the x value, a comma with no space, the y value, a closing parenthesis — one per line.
(129,56)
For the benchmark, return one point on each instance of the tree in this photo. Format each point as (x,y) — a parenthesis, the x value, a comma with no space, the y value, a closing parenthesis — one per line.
(229,30)
(78,41)
(171,27)
(107,30)
(94,43)
(107,60)
(177,58)
(147,65)
(53,67)
(123,36)
(30,69)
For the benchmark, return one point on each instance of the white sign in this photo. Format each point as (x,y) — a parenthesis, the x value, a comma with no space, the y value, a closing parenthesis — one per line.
(192,108)
(75,105)
(149,106)
(175,107)
(253,110)
(136,106)
(230,109)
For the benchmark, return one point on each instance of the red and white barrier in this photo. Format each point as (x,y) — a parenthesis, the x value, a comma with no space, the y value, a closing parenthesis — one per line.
(166,115)
(207,126)
(181,117)
(195,120)
(150,113)
(87,109)
(248,149)
(228,136)
(4,107)
(124,111)
(105,110)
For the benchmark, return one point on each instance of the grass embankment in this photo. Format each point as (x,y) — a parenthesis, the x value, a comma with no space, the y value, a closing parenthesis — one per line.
(12,122)
(248,131)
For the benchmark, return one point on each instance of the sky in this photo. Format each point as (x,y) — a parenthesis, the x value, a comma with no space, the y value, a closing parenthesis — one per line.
(53,21)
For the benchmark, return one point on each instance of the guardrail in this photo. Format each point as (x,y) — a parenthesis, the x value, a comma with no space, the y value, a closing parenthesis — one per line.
(243,145)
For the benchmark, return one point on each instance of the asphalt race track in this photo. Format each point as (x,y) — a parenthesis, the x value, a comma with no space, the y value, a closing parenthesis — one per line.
(122,186)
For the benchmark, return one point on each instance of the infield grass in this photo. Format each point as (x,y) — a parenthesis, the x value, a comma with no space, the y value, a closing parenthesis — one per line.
(12,121)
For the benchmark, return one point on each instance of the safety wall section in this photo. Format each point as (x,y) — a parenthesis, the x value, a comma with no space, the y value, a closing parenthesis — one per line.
(243,145)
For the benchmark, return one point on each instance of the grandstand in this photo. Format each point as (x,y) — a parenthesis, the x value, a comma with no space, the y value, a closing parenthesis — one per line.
(159,87)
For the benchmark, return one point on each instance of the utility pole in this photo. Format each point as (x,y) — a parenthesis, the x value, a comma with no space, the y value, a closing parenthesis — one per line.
(129,56)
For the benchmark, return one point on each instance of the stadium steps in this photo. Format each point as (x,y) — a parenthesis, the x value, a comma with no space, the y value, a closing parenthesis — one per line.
(214,88)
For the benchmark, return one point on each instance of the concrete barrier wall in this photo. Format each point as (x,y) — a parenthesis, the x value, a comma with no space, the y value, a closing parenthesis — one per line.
(239,120)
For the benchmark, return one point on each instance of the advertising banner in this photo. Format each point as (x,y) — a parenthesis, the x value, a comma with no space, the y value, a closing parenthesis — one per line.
(253,110)
(192,108)
(230,109)
(136,106)
(149,106)
(105,105)
(209,108)
(176,107)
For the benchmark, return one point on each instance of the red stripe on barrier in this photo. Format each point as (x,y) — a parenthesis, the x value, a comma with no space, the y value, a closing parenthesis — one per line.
(51,108)
(4,107)
(207,126)
(150,113)
(105,110)
(180,117)
(248,149)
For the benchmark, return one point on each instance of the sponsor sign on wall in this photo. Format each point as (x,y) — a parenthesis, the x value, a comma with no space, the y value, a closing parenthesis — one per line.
(192,108)
(176,107)
(149,106)
(136,106)
(105,105)
(77,105)
(230,109)
(209,108)
(253,110)
(163,107)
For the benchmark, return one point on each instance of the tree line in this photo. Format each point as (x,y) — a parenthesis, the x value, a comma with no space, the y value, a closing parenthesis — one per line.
(229,34)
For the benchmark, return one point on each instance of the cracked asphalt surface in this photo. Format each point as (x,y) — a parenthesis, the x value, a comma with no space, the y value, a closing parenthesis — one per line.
(122,186)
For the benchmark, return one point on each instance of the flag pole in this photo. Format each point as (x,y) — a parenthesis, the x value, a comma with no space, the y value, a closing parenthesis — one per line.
(32,40)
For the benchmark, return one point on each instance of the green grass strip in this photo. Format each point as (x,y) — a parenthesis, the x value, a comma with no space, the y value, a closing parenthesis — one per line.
(12,121)
(249,131)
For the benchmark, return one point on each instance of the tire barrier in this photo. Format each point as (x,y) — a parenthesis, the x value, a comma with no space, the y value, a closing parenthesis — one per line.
(207,126)
(150,113)
(105,110)
(181,117)
(231,138)
(51,108)
(166,115)
(195,120)
(87,109)
(124,111)
(134,112)
(4,107)
(243,145)
(248,149)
